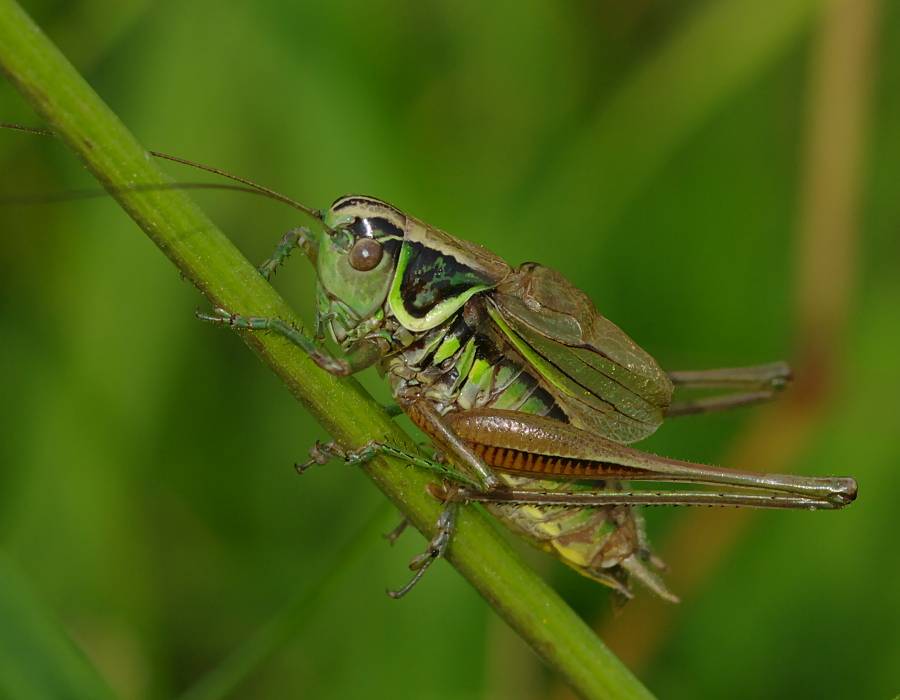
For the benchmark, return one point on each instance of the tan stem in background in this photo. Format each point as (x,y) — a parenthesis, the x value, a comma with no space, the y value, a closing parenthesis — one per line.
(827,235)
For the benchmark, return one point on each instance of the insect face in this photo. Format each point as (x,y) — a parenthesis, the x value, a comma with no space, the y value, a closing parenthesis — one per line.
(357,261)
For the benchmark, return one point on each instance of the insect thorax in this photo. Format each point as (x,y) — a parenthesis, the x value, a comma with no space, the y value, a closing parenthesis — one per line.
(464,363)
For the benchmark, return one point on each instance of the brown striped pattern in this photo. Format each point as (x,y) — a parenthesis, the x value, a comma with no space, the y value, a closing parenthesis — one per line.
(520,462)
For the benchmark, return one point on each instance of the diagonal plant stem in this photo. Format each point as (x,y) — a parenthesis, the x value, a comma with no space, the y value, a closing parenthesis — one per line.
(209,260)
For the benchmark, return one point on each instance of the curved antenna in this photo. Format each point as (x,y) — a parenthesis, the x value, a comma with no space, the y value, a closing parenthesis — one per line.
(315,213)
(75,195)
(249,185)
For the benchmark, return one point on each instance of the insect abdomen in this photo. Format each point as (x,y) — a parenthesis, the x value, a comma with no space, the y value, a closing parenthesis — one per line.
(602,543)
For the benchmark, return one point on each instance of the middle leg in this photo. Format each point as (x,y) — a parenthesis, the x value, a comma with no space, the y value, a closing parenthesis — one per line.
(750,385)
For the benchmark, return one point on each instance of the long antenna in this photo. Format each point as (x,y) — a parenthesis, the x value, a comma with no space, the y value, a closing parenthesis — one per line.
(315,213)
(97,192)
(260,189)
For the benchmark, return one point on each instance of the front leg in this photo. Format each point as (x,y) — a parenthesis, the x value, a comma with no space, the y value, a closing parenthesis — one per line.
(300,237)
(361,355)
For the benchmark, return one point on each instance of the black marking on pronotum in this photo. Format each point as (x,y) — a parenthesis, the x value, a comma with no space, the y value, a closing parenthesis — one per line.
(391,248)
(375,227)
(431,277)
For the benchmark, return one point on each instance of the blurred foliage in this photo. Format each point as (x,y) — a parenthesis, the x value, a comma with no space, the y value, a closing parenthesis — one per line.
(146,487)
(36,658)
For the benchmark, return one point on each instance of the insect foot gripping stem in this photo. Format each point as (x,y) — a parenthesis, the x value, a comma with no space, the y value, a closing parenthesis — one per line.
(324,452)
(321,453)
(436,549)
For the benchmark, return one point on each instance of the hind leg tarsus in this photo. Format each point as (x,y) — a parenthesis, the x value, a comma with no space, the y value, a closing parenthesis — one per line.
(394,534)
(436,549)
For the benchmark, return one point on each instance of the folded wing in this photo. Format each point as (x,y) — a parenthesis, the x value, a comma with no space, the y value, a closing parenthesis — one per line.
(601,378)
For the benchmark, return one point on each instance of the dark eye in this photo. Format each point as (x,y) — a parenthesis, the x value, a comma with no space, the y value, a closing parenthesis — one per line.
(365,254)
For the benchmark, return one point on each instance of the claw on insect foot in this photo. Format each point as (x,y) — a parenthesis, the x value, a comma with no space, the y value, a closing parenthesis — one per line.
(394,534)
(319,453)
(436,549)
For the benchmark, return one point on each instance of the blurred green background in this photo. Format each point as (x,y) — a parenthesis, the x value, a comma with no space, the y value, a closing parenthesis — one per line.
(723,178)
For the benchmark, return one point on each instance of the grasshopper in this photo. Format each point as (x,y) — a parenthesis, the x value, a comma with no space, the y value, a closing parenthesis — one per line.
(530,395)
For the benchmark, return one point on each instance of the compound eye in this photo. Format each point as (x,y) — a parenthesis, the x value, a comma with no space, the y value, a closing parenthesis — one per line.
(365,254)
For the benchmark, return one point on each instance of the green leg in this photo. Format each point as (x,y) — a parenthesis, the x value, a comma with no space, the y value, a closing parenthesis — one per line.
(363,355)
(436,549)
(446,523)
(772,377)
(296,237)
(394,534)
(712,404)
(322,453)
(753,384)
